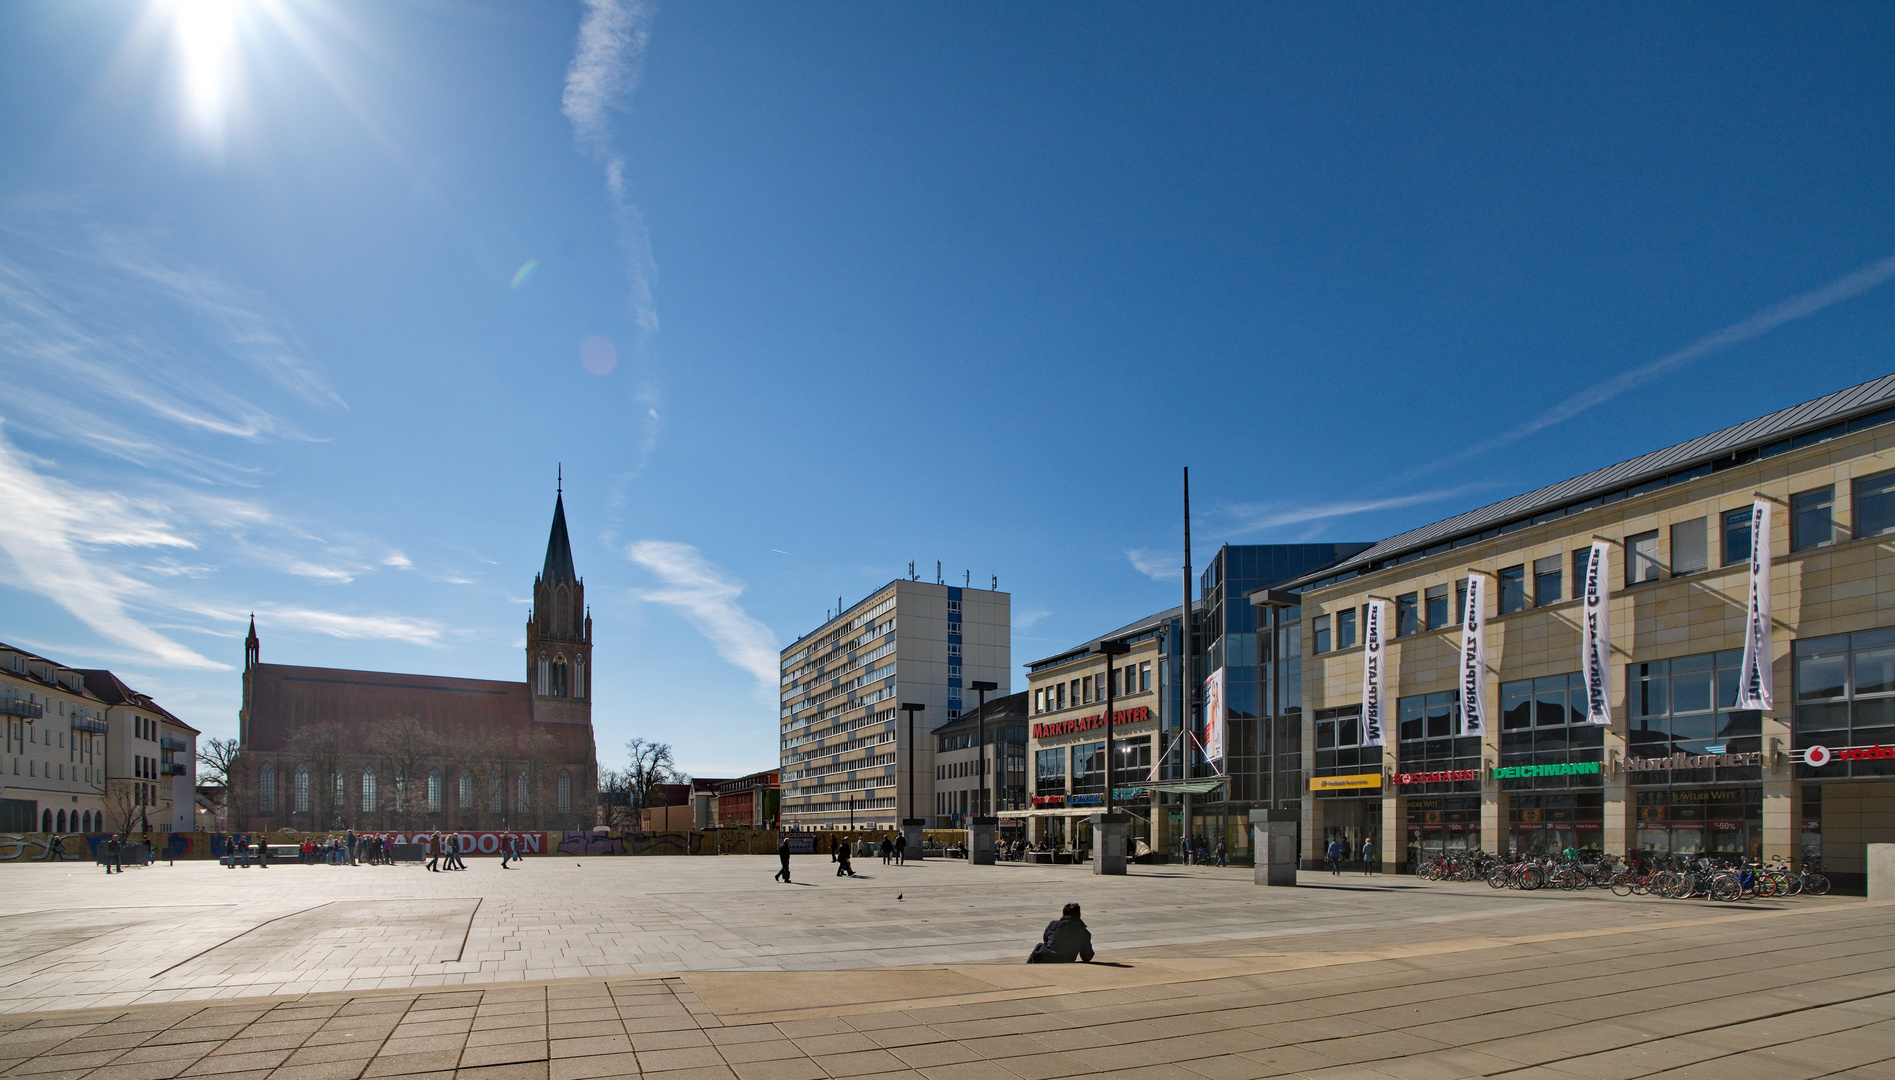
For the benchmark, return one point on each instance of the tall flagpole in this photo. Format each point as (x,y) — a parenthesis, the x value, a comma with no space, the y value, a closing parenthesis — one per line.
(1185,686)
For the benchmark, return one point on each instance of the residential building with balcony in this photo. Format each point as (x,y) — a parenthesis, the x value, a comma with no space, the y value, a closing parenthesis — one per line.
(848,758)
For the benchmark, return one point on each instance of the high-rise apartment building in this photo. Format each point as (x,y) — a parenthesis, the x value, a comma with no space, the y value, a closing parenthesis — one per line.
(847,753)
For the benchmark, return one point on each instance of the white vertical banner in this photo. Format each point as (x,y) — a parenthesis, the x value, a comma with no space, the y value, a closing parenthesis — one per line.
(1595,640)
(1214,716)
(1374,677)
(1754,689)
(1474,657)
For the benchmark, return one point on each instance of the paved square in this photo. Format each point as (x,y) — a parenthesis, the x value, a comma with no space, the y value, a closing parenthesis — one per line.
(686,968)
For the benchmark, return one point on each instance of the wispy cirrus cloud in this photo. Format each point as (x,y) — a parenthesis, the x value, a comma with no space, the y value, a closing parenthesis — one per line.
(706,595)
(1757,324)
(607,63)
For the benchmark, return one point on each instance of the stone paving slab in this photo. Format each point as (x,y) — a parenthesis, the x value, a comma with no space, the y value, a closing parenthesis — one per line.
(1797,992)
(75,937)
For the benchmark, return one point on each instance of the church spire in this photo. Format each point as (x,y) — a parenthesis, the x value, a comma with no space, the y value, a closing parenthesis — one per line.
(558,546)
(252,648)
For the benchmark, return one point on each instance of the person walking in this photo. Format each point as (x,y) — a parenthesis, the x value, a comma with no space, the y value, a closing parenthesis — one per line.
(1066,939)
(434,851)
(843,869)
(350,839)
(263,851)
(112,849)
(1368,856)
(1334,854)
(783,856)
(1223,853)
(454,849)
(243,850)
(506,851)
(888,851)
(901,850)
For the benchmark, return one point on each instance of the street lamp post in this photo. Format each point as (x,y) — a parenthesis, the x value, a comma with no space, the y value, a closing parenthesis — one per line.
(980,742)
(912,821)
(982,828)
(1111,650)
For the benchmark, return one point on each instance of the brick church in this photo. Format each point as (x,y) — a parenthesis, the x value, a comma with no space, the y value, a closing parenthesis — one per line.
(329,748)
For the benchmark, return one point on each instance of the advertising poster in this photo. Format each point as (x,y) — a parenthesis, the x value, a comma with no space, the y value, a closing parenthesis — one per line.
(1214,716)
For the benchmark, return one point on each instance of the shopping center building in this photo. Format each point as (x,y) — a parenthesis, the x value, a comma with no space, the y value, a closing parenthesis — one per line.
(1678,768)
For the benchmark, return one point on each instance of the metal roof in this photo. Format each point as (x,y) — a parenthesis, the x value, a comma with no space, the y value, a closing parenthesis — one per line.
(1825,417)
(1149,622)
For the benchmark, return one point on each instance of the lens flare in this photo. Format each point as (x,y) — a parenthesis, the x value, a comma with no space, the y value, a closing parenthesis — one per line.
(525,273)
(598,355)
(653,413)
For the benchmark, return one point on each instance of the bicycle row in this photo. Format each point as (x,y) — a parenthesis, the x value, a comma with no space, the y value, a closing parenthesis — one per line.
(1725,878)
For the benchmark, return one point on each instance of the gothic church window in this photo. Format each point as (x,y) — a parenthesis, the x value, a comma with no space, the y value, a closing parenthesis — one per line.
(519,797)
(559,677)
(435,795)
(299,791)
(266,788)
(467,791)
(565,793)
(368,790)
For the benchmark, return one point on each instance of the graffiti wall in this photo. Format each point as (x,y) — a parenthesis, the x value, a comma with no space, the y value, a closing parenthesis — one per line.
(37,847)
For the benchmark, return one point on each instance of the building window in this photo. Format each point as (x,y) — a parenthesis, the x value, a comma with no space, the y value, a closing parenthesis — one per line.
(1689,552)
(558,688)
(1407,614)
(1437,607)
(1845,696)
(1460,599)
(1319,632)
(1736,536)
(339,792)
(1049,771)
(1085,687)
(565,793)
(1144,677)
(496,793)
(368,790)
(1513,589)
(1641,558)
(1549,580)
(1059,696)
(467,791)
(520,801)
(1683,706)
(1543,722)
(436,796)
(1812,523)
(1039,701)
(1088,768)
(266,789)
(1874,505)
(299,790)
(1345,628)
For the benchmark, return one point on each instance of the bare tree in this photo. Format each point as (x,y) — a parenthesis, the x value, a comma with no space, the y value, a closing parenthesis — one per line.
(651,764)
(405,746)
(615,793)
(122,807)
(319,747)
(221,769)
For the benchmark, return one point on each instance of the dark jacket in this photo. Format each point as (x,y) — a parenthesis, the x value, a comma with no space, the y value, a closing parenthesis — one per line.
(1066,940)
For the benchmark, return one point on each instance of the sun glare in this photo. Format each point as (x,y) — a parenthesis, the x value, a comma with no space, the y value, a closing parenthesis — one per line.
(206,33)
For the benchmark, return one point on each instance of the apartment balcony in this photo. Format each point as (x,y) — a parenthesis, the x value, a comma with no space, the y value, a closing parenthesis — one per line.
(31,710)
(90,723)
(171,742)
(175,768)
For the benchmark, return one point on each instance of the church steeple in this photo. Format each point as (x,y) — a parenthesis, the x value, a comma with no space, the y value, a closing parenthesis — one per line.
(252,649)
(559,631)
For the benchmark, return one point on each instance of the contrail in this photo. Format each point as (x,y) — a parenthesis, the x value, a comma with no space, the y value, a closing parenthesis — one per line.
(1843,288)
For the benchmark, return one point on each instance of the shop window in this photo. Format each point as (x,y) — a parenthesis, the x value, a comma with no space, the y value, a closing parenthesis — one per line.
(1688,548)
(1811,520)
(1543,722)
(1548,581)
(1319,634)
(1873,503)
(1437,607)
(1460,599)
(1088,768)
(1144,676)
(1407,614)
(1513,588)
(1582,561)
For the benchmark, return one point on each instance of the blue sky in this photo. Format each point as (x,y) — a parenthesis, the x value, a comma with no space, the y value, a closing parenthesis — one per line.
(302,304)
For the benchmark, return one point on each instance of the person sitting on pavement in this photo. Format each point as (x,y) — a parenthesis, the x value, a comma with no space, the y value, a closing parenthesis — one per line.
(1066,940)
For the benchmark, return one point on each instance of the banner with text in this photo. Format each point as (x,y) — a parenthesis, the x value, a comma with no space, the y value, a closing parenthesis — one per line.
(1474,658)
(1374,676)
(1595,639)
(1214,716)
(1754,684)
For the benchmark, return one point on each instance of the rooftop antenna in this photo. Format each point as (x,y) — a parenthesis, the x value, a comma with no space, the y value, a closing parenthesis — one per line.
(996,583)
(912,576)
(967,579)
(559,479)
(938,580)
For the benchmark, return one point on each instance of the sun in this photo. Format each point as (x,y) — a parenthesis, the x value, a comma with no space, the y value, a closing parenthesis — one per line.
(206,34)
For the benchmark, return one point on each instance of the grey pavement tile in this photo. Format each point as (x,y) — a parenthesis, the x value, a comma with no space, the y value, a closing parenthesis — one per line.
(597,1067)
(859,1063)
(427,1044)
(589,1045)
(221,1064)
(689,1057)
(324,1070)
(513,1053)
(800,1068)
(528,1071)
(929,1054)
(502,1036)
(669,1040)
(315,1055)
(406,1064)
(739,1053)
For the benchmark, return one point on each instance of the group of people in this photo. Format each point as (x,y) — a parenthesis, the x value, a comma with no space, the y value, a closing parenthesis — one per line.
(353,849)
(840,852)
(1336,851)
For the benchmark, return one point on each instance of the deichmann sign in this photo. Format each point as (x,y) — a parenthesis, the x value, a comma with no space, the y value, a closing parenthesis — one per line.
(1445,777)
(1088,723)
(1522,772)
(1339,783)
(1691,761)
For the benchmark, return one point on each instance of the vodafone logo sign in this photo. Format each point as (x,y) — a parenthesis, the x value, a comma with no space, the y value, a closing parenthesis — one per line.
(1817,756)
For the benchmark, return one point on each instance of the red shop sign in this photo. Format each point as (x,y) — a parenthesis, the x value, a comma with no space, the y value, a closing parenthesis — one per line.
(1088,723)
(1447,776)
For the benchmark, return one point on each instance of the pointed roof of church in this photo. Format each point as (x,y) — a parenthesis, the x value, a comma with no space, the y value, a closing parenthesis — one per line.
(558,547)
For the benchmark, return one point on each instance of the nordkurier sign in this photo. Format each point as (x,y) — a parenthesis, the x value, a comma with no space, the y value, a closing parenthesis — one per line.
(1087,723)
(1691,761)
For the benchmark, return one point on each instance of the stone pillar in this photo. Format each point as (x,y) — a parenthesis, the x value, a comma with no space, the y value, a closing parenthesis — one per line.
(1493,816)
(1184,819)
(912,829)
(1273,835)
(1394,829)
(1108,842)
(1881,859)
(1782,793)
(1312,813)
(980,848)
(1160,825)
(1619,821)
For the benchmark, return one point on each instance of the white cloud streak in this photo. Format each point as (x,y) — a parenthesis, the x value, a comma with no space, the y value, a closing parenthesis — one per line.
(706,596)
(1846,287)
(46,525)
